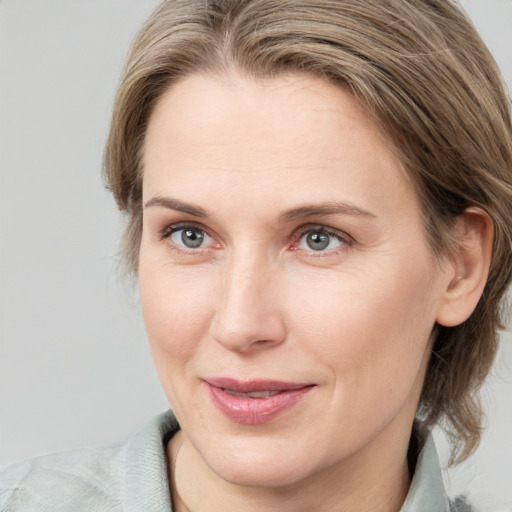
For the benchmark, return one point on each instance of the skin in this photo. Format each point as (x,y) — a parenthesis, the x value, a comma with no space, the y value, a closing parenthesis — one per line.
(254,301)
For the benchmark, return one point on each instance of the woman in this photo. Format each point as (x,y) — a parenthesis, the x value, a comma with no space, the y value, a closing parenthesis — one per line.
(318,198)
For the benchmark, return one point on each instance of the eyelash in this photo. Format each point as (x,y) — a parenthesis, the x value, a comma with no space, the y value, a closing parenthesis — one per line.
(345,239)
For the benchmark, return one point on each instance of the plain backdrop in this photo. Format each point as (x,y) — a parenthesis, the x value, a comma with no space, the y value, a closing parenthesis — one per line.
(75,369)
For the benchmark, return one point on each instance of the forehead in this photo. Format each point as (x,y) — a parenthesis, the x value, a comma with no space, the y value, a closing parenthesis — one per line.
(229,109)
(296,133)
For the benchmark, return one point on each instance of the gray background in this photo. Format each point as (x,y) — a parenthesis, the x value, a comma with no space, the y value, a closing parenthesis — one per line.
(74,366)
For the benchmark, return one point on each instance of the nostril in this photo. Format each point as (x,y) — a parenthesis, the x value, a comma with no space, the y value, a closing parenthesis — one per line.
(263,342)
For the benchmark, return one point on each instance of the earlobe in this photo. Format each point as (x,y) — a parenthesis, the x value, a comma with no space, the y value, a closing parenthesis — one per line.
(469,267)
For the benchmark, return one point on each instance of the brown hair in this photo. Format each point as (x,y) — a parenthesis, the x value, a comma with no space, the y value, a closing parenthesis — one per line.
(420,68)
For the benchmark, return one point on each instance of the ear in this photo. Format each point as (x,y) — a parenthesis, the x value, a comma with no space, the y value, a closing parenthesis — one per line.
(468,268)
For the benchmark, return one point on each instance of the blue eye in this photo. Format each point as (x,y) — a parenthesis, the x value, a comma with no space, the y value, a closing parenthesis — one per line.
(190,237)
(319,240)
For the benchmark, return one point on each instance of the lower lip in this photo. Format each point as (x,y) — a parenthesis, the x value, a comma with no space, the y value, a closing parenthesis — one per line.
(255,411)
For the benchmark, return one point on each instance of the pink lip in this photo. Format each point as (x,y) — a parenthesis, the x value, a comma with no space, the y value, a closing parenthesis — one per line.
(254,411)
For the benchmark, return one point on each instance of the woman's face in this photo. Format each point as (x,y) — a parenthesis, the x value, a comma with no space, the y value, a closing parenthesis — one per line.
(287,287)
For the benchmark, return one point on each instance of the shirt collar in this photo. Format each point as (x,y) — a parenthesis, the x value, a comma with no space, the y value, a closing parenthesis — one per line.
(427,488)
(145,477)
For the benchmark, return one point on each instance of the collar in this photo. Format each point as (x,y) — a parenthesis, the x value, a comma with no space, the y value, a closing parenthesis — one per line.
(145,482)
(427,488)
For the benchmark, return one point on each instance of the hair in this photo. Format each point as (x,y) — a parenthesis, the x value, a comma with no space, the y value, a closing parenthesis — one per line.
(421,70)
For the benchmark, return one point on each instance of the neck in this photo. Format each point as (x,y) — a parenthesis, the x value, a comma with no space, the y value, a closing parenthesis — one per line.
(374,479)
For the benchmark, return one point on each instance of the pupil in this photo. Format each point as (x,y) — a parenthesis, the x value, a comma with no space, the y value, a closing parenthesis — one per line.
(192,238)
(317,241)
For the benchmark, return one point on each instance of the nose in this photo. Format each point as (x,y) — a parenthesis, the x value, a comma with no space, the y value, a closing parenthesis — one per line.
(249,315)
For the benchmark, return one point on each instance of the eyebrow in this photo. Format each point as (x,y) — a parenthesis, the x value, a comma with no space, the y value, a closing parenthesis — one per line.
(300,212)
(175,204)
(329,208)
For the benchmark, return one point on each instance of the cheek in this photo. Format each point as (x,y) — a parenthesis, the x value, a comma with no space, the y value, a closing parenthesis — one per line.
(177,308)
(371,328)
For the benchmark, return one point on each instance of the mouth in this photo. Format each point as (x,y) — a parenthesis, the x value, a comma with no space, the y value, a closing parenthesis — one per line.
(255,402)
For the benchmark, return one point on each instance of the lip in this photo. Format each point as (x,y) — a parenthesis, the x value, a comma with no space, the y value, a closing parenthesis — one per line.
(255,411)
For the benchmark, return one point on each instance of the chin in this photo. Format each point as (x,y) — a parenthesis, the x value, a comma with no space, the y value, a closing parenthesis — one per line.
(271,474)
(259,463)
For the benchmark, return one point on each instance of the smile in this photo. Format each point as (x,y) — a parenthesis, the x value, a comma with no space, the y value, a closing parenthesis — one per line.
(254,402)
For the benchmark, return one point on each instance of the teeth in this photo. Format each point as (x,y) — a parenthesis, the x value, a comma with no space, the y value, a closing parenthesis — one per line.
(252,394)
(261,394)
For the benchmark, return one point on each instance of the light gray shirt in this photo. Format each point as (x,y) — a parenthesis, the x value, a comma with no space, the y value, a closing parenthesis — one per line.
(132,477)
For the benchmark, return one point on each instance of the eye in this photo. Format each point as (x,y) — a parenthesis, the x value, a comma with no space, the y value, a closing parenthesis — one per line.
(321,240)
(190,237)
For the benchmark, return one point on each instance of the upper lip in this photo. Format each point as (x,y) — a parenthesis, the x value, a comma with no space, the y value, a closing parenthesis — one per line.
(250,386)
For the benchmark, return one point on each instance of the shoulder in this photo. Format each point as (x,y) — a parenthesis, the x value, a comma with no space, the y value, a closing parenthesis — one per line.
(63,480)
(94,479)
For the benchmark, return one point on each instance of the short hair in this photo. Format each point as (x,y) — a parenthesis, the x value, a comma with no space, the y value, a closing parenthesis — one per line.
(421,70)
